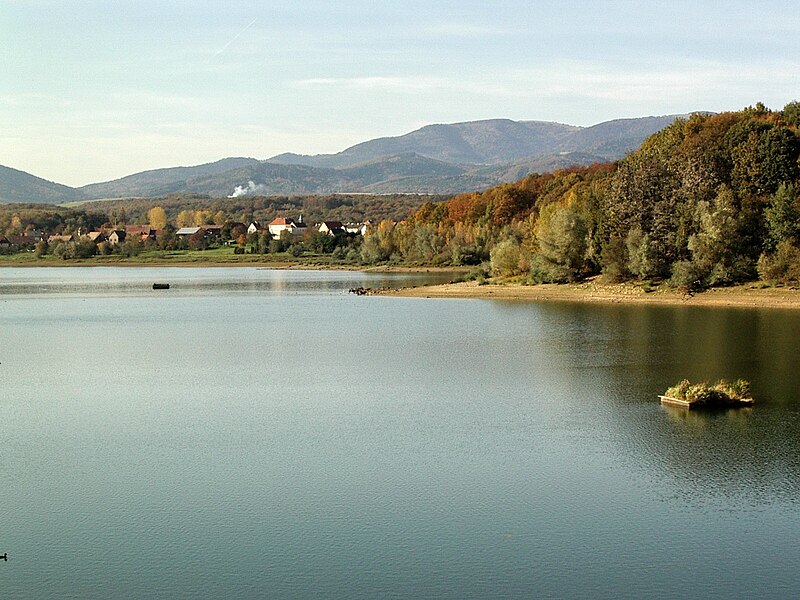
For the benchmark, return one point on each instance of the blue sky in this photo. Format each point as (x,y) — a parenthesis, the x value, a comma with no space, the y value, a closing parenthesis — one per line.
(94,90)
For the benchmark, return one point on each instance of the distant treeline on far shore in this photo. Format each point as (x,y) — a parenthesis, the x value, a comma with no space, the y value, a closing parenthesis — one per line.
(711,200)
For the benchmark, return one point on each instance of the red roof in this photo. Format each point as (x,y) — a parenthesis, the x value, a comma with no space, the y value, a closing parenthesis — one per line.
(137,229)
(282,221)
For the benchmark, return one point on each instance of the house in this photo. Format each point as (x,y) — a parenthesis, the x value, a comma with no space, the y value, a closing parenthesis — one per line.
(143,232)
(4,242)
(333,228)
(357,228)
(187,231)
(54,239)
(279,225)
(21,241)
(211,231)
(254,227)
(117,236)
(96,236)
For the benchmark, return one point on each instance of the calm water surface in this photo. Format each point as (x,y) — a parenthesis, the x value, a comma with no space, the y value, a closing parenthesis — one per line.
(255,433)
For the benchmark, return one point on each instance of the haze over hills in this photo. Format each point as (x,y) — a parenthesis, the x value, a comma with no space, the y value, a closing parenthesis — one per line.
(436,159)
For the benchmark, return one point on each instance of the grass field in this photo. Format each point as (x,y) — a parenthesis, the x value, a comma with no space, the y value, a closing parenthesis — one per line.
(216,256)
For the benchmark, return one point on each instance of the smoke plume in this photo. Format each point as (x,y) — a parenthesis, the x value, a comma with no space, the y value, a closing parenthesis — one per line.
(251,190)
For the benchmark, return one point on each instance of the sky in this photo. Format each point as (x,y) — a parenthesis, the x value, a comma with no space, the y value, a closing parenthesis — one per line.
(95,90)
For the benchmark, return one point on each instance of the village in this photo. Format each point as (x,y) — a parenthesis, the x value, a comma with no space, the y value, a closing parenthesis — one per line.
(105,240)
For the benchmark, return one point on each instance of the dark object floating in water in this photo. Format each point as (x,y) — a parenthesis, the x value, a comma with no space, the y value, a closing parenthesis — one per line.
(722,394)
(5,557)
(367,291)
(160,286)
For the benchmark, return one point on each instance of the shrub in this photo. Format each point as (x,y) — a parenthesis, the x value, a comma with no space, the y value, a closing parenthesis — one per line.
(783,266)
(704,393)
(506,258)
(688,275)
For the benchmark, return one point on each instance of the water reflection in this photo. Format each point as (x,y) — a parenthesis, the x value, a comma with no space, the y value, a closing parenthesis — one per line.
(618,359)
(87,281)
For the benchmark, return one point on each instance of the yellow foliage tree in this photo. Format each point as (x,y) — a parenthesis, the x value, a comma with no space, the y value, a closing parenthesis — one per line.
(157,217)
(185,218)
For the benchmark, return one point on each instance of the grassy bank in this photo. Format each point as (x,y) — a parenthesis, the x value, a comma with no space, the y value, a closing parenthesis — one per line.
(216,257)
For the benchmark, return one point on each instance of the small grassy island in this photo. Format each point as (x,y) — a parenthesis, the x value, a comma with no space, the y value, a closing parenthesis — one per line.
(723,394)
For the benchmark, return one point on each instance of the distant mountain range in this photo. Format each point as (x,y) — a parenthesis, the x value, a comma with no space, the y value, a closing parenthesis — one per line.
(436,159)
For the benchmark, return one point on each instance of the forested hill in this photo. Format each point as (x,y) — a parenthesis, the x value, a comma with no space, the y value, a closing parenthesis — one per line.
(436,159)
(709,200)
(16,185)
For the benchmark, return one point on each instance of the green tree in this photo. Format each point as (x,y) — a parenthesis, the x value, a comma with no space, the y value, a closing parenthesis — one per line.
(782,216)
(562,238)
(791,113)
(506,258)
(716,248)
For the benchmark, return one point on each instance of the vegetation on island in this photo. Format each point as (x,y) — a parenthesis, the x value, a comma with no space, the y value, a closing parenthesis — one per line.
(711,200)
(720,394)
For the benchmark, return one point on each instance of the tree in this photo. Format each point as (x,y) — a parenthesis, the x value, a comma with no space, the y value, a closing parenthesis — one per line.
(185,218)
(783,266)
(717,247)
(198,241)
(506,258)
(791,113)
(157,217)
(782,216)
(639,253)
(117,216)
(562,238)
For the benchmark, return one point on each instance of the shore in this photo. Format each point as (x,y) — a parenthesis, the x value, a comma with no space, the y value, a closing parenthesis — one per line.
(211,258)
(749,295)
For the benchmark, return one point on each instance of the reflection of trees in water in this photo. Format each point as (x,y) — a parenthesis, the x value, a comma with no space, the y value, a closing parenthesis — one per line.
(213,280)
(622,357)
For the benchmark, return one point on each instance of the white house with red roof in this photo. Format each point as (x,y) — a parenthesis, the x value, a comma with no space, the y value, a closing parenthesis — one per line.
(281,224)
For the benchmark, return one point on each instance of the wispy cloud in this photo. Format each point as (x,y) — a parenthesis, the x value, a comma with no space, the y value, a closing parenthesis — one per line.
(234,38)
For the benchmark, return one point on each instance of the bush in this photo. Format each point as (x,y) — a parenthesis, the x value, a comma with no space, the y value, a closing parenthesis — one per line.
(688,275)
(277,246)
(506,258)
(544,271)
(783,266)
(703,393)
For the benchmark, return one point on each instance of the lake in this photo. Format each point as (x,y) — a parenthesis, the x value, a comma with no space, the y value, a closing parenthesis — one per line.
(257,433)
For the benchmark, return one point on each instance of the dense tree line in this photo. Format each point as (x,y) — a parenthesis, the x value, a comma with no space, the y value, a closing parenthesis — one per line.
(712,200)
(188,209)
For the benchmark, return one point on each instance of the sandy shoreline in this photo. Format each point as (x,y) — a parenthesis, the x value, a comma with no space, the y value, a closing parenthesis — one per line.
(751,296)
